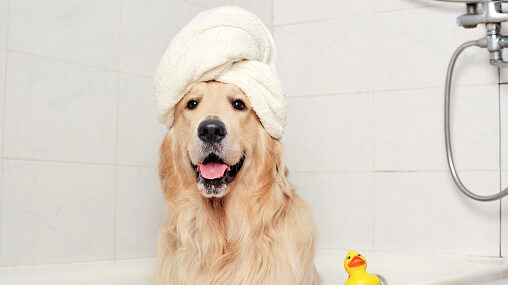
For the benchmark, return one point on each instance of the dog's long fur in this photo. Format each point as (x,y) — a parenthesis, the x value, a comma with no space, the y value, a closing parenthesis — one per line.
(260,232)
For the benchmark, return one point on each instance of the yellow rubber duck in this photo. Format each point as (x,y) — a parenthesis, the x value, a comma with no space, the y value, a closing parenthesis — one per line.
(355,265)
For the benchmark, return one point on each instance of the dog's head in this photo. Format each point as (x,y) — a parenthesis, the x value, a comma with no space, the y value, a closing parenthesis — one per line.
(214,134)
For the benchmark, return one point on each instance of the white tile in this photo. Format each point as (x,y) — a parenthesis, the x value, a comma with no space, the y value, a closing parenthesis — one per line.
(409,131)
(139,132)
(325,57)
(291,11)
(82,31)
(386,5)
(262,8)
(146,30)
(424,212)
(329,133)
(342,205)
(141,210)
(56,213)
(59,111)
(410,54)
(4,6)
(475,127)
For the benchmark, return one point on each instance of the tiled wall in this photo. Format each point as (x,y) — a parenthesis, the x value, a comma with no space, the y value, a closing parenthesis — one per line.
(364,143)
(79,134)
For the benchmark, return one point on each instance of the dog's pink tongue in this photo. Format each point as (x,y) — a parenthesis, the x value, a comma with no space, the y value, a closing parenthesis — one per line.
(212,170)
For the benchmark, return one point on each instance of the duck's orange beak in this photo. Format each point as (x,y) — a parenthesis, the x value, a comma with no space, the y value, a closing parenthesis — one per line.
(357,261)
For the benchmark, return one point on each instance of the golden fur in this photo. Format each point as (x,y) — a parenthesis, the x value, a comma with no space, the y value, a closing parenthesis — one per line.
(259,231)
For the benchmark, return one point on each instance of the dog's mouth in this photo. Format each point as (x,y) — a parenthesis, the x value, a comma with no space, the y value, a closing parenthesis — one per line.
(213,174)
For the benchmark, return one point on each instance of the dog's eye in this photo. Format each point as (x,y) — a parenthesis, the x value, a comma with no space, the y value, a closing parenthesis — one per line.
(192,104)
(238,104)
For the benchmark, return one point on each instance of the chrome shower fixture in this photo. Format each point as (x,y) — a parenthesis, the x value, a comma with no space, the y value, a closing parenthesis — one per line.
(481,12)
(490,13)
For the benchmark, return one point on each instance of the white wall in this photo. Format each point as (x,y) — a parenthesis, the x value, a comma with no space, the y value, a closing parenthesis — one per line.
(364,143)
(365,137)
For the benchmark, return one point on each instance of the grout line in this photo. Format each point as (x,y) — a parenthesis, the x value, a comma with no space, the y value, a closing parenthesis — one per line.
(333,172)
(387,90)
(196,4)
(328,94)
(373,134)
(78,63)
(272,26)
(38,265)
(410,253)
(321,20)
(136,165)
(500,160)
(273,18)
(28,159)
(358,15)
(4,100)
(56,161)
(115,206)
(438,87)
(373,211)
(435,170)
(61,60)
(373,130)
(412,8)
(392,171)
(294,171)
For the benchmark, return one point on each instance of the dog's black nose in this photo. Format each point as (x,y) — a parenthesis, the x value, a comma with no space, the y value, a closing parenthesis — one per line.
(211,131)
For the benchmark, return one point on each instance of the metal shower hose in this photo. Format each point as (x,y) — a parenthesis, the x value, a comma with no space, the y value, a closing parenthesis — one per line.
(449,154)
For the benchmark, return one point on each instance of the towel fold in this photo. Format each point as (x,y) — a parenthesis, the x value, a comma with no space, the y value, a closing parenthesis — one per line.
(226,44)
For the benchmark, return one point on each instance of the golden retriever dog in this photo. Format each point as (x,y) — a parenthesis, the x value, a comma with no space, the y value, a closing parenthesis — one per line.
(234,217)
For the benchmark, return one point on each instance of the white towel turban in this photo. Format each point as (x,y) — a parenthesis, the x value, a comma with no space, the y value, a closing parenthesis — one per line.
(230,45)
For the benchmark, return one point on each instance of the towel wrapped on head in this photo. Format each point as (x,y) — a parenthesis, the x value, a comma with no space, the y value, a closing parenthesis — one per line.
(230,45)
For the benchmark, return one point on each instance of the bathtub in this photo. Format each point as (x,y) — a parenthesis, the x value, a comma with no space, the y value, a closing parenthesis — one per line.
(398,269)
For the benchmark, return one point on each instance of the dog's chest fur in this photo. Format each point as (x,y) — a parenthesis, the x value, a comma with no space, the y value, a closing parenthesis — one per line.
(218,245)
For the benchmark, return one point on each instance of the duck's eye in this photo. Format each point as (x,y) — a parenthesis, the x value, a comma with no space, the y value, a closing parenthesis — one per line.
(238,104)
(349,257)
(192,104)
(359,255)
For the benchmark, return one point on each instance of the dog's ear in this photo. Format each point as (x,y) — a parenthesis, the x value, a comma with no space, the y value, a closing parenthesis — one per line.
(167,174)
(281,170)
(274,172)
(268,202)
